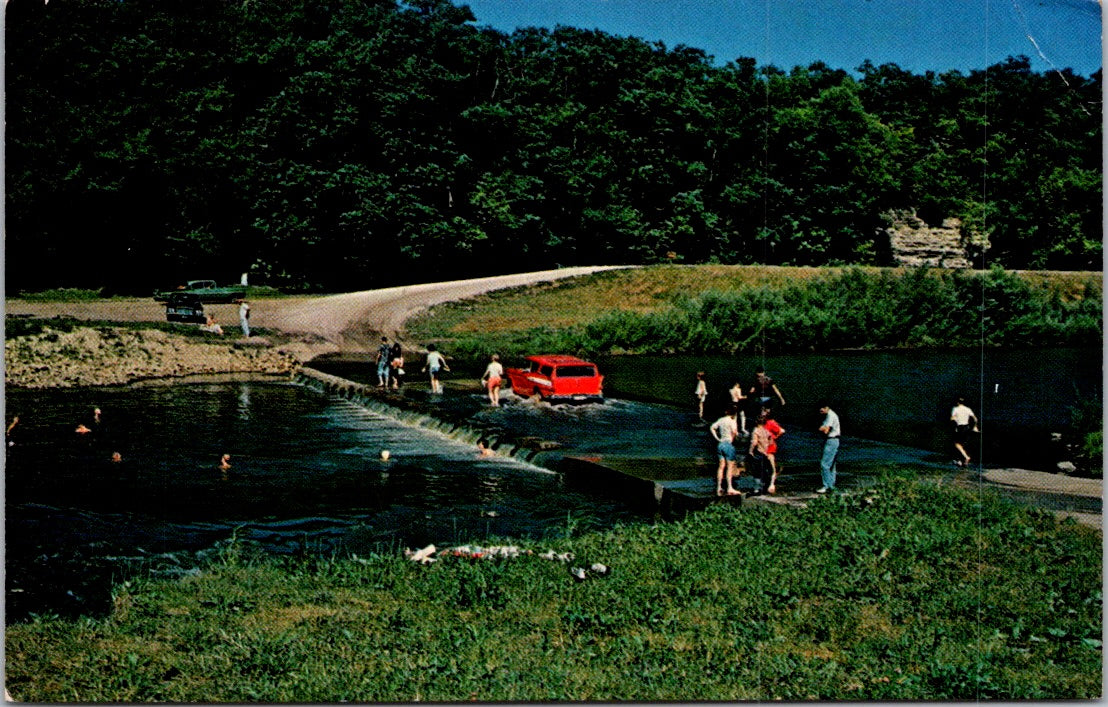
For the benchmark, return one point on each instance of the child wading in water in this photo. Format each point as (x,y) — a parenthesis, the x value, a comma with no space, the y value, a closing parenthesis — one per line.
(701,393)
(491,378)
(435,363)
(724,431)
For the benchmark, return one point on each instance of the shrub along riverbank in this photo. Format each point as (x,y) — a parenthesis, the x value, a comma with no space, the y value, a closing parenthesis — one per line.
(710,310)
(909,591)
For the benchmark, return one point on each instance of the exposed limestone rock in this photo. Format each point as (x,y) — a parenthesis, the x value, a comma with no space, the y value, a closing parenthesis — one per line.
(915,244)
(115,356)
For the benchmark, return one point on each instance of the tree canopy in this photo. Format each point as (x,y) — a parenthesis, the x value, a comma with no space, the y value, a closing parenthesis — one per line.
(348,144)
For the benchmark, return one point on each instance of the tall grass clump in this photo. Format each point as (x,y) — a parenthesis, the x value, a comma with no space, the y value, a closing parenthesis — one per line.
(907,591)
(62,294)
(1087,423)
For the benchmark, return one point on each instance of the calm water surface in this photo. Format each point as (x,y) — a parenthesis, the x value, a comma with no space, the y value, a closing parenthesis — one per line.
(306,476)
(897,397)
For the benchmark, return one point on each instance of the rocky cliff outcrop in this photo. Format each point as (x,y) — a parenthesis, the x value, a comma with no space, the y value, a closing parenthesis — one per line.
(916,244)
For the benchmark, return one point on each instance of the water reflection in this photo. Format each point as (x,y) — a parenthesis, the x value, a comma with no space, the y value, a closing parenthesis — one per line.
(244,401)
(897,397)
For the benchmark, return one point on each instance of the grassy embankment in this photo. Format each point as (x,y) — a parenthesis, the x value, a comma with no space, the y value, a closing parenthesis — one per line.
(724,309)
(910,591)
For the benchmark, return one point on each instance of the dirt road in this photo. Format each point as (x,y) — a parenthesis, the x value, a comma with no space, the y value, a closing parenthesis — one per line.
(346,322)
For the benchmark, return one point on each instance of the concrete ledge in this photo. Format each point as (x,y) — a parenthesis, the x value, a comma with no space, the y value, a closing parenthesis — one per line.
(1046,482)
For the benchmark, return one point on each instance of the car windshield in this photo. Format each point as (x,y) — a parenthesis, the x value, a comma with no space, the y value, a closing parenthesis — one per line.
(577,371)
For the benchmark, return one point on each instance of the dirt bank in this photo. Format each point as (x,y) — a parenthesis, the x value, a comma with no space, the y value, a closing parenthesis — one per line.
(114,356)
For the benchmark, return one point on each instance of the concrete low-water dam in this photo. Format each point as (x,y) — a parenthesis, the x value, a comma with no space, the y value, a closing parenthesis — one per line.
(647,455)
(670,485)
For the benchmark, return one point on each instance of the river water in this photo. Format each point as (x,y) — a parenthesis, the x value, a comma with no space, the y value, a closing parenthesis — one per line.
(901,398)
(307,476)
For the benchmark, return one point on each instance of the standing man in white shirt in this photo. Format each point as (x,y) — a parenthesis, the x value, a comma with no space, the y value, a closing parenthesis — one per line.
(828,467)
(244,318)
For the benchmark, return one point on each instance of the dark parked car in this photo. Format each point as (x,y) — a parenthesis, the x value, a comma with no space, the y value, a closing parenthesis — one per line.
(206,290)
(184,307)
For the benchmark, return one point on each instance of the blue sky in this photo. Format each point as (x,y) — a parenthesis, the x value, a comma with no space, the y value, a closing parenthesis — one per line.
(917,35)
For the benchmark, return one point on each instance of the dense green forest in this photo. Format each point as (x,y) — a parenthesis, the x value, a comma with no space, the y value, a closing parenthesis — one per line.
(346,144)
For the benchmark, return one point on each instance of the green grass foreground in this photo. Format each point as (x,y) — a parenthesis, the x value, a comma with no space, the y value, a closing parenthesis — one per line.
(908,591)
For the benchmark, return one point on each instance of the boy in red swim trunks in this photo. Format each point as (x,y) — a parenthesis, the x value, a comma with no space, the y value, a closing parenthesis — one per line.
(775,430)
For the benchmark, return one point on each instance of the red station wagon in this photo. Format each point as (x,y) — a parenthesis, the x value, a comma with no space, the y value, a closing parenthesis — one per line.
(557,378)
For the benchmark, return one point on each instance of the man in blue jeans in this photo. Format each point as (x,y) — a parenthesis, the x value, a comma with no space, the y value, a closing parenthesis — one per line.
(383,358)
(827,465)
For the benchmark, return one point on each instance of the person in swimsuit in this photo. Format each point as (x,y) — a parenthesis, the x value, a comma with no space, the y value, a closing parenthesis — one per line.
(737,399)
(775,430)
(701,393)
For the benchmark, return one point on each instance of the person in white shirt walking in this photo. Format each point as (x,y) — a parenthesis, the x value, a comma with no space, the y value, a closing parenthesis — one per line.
(492,376)
(965,423)
(435,362)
